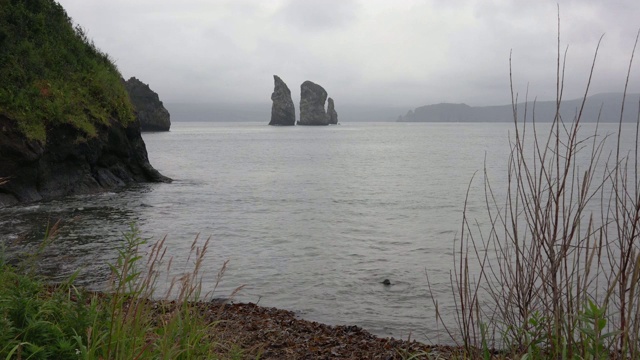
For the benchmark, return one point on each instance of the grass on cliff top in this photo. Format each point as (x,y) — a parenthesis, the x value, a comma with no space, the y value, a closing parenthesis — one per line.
(53,74)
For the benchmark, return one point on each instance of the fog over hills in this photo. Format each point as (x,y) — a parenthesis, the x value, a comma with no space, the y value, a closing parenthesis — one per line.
(261,112)
(605,107)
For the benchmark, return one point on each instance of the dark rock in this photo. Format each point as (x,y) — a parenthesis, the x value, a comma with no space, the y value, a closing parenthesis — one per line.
(332,115)
(150,111)
(69,163)
(312,99)
(282,111)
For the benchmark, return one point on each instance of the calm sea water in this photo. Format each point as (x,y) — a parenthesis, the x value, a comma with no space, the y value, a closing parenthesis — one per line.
(311,219)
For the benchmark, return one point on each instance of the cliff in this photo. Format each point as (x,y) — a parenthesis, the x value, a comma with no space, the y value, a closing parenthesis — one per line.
(332,115)
(67,125)
(312,99)
(149,109)
(282,110)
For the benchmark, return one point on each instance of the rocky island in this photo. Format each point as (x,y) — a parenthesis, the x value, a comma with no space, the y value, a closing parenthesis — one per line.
(312,99)
(282,110)
(332,115)
(149,109)
(67,125)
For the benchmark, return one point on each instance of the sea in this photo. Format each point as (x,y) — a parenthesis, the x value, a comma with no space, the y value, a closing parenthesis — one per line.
(308,219)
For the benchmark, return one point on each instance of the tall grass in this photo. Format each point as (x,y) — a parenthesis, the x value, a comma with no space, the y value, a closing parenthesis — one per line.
(52,73)
(553,270)
(128,321)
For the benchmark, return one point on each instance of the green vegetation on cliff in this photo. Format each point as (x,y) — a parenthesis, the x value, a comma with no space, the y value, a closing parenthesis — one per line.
(53,74)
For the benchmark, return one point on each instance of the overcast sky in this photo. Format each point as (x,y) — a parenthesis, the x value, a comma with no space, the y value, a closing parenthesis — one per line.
(384,52)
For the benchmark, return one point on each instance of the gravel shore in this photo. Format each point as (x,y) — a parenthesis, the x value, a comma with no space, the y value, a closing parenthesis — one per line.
(272,333)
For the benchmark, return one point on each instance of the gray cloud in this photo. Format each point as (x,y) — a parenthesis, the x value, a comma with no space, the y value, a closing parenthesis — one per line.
(401,53)
(314,15)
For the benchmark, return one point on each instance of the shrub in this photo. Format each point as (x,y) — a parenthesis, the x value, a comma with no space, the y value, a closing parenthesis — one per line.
(41,321)
(556,272)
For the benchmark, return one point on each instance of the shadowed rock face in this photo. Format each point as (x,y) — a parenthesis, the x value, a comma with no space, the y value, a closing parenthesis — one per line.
(149,109)
(282,111)
(332,115)
(312,99)
(65,165)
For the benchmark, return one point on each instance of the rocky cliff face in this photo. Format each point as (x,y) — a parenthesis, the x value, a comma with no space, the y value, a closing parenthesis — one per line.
(312,99)
(332,115)
(149,109)
(69,126)
(282,110)
(69,164)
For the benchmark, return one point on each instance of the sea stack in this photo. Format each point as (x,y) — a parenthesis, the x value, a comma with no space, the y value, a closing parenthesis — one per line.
(282,111)
(150,111)
(312,99)
(332,115)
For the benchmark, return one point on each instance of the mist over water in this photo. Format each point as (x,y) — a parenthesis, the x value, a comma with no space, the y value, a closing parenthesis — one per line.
(311,219)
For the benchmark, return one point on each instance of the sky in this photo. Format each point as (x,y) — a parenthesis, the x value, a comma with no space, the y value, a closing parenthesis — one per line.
(365,52)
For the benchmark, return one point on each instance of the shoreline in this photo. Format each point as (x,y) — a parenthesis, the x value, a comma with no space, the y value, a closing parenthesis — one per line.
(273,333)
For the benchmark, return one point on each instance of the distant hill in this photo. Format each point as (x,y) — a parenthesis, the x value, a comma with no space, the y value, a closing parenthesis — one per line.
(608,105)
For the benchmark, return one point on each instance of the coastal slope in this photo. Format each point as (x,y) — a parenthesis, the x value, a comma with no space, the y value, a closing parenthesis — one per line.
(67,125)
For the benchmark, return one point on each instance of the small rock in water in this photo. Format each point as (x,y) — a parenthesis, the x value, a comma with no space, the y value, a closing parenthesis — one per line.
(386,282)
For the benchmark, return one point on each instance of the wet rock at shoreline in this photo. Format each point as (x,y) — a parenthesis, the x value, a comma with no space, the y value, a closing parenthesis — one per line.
(150,111)
(312,99)
(115,157)
(282,110)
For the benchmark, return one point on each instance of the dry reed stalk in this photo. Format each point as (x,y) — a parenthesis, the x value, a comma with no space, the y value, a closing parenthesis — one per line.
(561,281)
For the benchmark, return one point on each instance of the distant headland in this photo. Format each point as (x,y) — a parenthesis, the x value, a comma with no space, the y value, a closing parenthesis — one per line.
(149,109)
(602,107)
